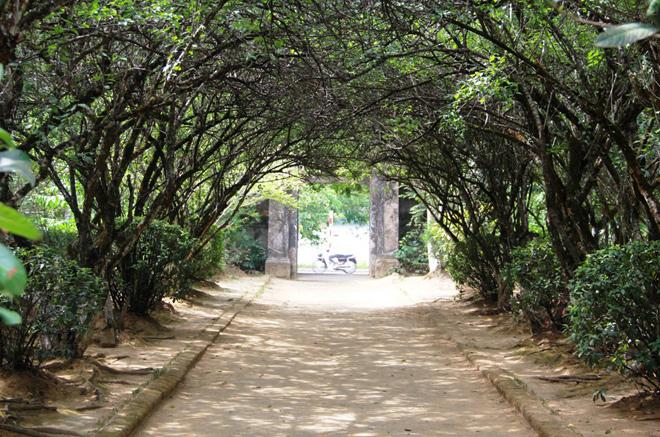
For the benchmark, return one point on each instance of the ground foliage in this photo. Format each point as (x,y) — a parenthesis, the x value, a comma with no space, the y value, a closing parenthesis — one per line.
(241,246)
(155,267)
(504,118)
(413,253)
(540,299)
(615,309)
(57,307)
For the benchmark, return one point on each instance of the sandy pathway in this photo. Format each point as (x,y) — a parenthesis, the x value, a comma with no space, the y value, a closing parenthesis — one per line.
(334,355)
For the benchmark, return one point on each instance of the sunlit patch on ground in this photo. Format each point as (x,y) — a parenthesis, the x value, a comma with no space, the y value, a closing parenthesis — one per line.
(340,356)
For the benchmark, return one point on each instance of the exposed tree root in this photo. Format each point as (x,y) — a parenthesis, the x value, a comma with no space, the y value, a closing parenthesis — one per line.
(86,407)
(30,407)
(38,431)
(118,357)
(141,371)
(57,365)
(13,400)
(116,381)
(156,338)
(571,378)
(20,430)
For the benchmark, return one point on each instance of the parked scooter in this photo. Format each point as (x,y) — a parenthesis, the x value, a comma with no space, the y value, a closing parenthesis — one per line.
(344,263)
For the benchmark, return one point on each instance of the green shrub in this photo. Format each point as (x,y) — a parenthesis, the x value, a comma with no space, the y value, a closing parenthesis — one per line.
(542,296)
(59,302)
(209,260)
(62,240)
(243,250)
(465,264)
(615,309)
(439,242)
(237,243)
(413,253)
(155,267)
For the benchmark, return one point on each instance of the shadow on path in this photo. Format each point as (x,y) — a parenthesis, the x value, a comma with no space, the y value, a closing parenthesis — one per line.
(334,356)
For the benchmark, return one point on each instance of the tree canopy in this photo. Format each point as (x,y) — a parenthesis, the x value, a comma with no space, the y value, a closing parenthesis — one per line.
(511,121)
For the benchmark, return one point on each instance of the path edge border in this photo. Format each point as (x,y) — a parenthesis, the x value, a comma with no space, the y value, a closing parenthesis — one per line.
(149,396)
(541,418)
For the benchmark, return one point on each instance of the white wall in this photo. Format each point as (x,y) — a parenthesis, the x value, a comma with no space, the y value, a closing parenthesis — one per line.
(345,239)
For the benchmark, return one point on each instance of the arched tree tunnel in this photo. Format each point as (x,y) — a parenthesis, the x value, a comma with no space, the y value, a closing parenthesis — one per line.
(136,136)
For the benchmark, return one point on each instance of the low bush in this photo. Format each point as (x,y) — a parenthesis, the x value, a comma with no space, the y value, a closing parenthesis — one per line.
(209,260)
(542,296)
(155,267)
(439,242)
(615,310)
(59,302)
(241,245)
(466,266)
(63,240)
(243,250)
(413,253)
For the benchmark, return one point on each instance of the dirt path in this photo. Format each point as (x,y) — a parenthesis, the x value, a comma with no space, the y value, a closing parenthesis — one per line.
(334,355)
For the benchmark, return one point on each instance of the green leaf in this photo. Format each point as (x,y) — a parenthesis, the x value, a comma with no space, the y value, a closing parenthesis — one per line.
(9,317)
(619,36)
(12,273)
(6,138)
(16,223)
(17,161)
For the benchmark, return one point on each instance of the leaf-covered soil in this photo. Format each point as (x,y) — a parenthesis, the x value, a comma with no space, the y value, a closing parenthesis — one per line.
(79,395)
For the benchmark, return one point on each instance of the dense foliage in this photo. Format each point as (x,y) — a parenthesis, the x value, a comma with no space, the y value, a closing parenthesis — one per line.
(615,309)
(512,122)
(348,203)
(156,266)
(210,259)
(413,252)
(542,296)
(241,247)
(57,307)
(465,264)
(244,252)
(12,272)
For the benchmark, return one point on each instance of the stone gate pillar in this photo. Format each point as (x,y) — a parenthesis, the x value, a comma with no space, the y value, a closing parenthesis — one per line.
(383,226)
(282,257)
